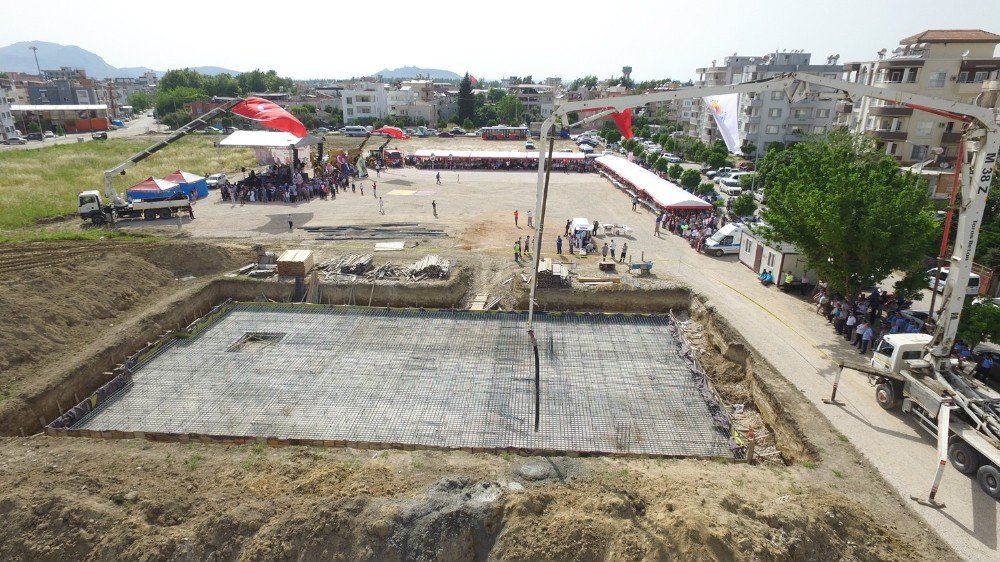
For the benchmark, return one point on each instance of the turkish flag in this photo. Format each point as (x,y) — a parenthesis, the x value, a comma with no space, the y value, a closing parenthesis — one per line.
(270,115)
(624,122)
(472,79)
(394,132)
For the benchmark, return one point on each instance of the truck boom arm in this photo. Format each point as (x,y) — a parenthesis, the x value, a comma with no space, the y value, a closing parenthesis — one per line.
(195,125)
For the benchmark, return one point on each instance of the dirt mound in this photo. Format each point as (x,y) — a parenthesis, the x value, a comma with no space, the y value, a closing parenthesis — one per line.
(194,258)
(96,500)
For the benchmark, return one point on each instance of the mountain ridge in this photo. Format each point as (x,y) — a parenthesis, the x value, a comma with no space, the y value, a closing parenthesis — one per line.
(17,57)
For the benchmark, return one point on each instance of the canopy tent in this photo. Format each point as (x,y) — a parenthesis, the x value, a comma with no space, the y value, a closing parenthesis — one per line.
(189,183)
(267,139)
(153,188)
(493,154)
(665,194)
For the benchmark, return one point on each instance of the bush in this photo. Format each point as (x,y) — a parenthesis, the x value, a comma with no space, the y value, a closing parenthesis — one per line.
(675,171)
(744,205)
(705,188)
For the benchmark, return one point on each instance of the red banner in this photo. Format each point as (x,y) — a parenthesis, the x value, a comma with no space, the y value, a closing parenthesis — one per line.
(270,115)
(394,132)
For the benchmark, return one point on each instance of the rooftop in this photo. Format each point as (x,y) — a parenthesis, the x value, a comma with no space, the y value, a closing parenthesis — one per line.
(952,36)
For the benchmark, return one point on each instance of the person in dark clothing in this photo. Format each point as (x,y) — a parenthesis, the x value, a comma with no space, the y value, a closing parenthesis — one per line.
(559,244)
(568,222)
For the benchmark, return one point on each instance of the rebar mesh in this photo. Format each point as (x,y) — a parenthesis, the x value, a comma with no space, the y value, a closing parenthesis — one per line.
(457,379)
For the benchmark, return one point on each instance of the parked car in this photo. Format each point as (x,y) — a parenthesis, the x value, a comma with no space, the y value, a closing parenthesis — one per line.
(215,181)
(212,131)
(444,135)
(322,130)
(529,145)
(672,159)
(35,136)
(713,173)
(99,135)
(49,135)
(730,186)
(457,131)
(759,195)
(231,130)
(16,140)
(972,289)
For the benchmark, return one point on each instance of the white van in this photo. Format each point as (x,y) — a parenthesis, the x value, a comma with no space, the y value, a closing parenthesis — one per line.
(355,131)
(972,289)
(726,240)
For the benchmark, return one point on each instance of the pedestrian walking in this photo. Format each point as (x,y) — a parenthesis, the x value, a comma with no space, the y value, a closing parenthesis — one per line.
(656,228)
(568,222)
(529,218)
(515,218)
(593,232)
(612,247)
(635,202)
(353,188)
(624,251)
(362,189)
(374,189)
(517,251)
(438,178)
(559,245)
(381,206)
(289,222)
(434,207)
(604,251)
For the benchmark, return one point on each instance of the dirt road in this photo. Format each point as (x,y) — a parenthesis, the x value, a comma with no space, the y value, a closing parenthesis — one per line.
(476,208)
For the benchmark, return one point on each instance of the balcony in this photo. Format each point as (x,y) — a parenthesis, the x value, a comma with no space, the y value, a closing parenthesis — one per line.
(950,137)
(844,107)
(891,111)
(891,135)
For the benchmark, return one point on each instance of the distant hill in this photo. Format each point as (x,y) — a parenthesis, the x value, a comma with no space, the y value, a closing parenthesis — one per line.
(413,72)
(18,57)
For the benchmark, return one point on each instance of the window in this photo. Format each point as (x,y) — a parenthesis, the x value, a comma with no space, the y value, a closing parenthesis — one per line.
(770,260)
(924,128)
(937,79)
(822,113)
(774,112)
(919,152)
(963,76)
(980,76)
(802,113)
(746,246)
(771,129)
(349,101)
(819,129)
(895,76)
(777,95)
(796,130)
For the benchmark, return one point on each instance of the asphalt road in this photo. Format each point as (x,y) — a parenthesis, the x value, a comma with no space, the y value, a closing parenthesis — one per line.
(134,128)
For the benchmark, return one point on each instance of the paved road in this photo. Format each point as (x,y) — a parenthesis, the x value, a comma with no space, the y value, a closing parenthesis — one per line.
(136,127)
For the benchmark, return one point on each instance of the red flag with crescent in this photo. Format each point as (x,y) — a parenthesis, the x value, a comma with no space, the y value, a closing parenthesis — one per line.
(270,115)
(394,132)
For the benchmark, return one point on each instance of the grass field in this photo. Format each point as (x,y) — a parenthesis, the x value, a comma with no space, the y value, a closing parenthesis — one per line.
(42,183)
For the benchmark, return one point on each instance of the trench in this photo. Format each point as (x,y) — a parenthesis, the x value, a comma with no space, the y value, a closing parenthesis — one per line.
(738,374)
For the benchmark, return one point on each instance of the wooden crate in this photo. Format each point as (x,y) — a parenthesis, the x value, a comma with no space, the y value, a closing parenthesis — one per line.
(295,263)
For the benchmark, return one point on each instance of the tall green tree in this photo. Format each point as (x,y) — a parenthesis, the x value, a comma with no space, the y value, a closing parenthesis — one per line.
(744,205)
(170,101)
(178,78)
(675,171)
(510,109)
(847,207)
(466,102)
(140,101)
(980,321)
(690,179)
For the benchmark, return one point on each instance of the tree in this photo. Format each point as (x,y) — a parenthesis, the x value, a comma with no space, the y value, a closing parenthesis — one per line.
(661,164)
(744,205)
(589,82)
(675,171)
(747,181)
(716,159)
(140,102)
(705,188)
(169,101)
(222,85)
(495,95)
(467,124)
(979,322)
(612,136)
(466,102)
(179,79)
(847,207)
(690,178)
(176,119)
(509,109)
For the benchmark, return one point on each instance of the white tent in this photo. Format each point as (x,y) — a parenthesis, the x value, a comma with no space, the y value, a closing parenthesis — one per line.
(665,194)
(266,139)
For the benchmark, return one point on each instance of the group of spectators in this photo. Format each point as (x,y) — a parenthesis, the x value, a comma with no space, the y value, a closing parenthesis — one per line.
(694,226)
(279,184)
(864,319)
(445,163)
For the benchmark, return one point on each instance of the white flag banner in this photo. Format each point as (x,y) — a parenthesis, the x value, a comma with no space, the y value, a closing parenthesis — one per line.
(724,109)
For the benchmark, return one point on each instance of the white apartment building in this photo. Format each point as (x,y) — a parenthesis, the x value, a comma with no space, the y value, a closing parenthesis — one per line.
(363,100)
(701,124)
(945,63)
(7,126)
(768,118)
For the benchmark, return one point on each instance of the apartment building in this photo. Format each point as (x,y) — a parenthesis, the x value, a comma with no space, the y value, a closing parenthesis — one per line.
(364,100)
(536,98)
(7,126)
(944,63)
(701,124)
(768,118)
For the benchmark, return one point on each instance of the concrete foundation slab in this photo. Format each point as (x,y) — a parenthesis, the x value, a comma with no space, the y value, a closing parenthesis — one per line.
(401,377)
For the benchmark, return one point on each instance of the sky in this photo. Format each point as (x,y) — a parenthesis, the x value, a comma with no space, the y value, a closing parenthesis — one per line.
(490,40)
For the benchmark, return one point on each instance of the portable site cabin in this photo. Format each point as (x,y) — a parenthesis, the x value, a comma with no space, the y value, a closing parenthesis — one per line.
(193,185)
(778,258)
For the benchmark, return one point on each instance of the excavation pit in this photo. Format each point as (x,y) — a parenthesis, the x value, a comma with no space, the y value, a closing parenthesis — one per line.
(410,378)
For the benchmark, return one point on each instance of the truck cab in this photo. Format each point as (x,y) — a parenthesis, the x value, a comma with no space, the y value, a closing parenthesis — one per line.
(892,353)
(91,207)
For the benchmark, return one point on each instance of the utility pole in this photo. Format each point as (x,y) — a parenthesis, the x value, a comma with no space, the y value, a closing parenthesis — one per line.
(34,51)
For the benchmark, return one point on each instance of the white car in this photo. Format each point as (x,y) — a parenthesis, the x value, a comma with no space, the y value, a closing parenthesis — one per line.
(731,186)
(529,145)
(215,181)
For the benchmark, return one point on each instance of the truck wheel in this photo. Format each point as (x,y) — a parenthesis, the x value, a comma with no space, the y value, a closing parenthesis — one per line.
(989,480)
(149,215)
(97,220)
(964,458)
(718,253)
(164,213)
(886,396)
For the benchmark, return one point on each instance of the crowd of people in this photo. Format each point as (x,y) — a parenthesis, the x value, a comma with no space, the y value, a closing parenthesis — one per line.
(278,183)
(864,319)
(445,163)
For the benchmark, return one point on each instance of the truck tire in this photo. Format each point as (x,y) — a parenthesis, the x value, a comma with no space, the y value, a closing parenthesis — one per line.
(165,213)
(964,458)
(97,219)
(718,253)
(989,480)
(887,396)
(149,214)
